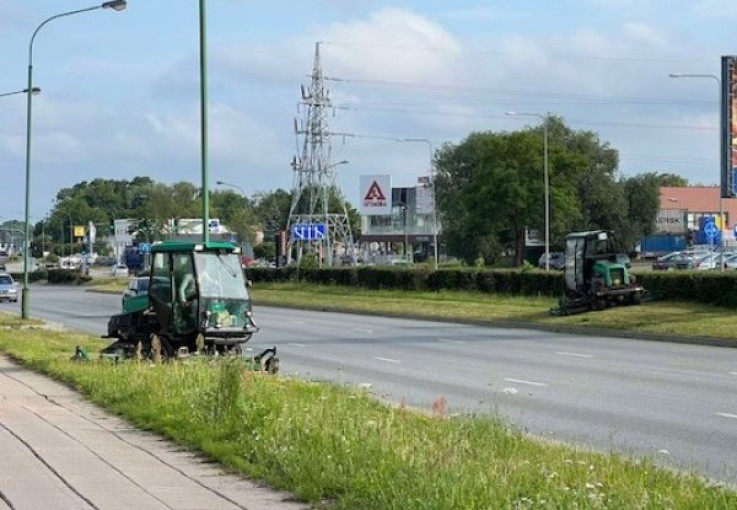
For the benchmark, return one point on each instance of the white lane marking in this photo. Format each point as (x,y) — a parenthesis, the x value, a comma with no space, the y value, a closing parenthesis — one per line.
(522,381)
(449,341)
(574,354)
(727,415)
(294,344)
(388,360)
(733,373)
(363,330)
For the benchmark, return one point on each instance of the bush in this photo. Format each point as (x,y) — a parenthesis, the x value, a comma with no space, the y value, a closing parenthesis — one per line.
(704,287)
(67,276)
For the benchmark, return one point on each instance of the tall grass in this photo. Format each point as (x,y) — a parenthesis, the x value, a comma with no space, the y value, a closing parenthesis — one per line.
(340,448)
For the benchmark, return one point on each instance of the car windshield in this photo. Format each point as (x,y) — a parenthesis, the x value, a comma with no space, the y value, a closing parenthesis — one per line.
(6,280)
(143,285)
(220,275)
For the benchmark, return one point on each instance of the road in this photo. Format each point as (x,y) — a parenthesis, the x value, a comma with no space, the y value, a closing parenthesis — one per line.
(673,402)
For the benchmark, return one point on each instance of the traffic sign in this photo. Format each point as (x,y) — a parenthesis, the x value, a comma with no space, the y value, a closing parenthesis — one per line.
(308,232)
(710,229)
(144,248)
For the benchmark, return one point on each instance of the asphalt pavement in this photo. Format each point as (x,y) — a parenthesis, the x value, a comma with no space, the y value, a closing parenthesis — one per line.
(674,403)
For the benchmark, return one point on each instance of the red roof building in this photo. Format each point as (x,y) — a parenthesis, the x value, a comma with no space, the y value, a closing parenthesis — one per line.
(682,208)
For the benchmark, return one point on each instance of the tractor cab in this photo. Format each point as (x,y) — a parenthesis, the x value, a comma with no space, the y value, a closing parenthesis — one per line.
(199,289)
(198,301)
(593,276)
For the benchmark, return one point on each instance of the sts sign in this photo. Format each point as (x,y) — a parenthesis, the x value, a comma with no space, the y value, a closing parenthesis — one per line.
(308,232)
(375,195)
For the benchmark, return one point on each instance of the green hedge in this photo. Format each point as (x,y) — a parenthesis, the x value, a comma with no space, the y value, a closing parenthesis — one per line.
(33,276)
(67,276)
(704,287)
(471,279)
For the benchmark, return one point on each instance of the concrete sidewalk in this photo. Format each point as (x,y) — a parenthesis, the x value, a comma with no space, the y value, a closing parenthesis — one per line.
(59,451)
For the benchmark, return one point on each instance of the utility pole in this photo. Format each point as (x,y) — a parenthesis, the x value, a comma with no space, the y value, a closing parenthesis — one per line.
(315,178)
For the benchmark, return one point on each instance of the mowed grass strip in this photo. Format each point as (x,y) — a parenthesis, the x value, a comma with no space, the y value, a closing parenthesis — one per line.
(656,317)
(338,448)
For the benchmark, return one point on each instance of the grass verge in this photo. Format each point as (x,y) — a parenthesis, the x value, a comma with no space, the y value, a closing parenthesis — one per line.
(343,449)
(669,318)
(661,318)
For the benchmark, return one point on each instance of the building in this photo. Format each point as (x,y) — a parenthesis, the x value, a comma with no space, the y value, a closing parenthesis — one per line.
(392,216)
(681,210)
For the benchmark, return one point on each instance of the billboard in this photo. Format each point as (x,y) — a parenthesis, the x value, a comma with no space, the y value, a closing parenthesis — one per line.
(375,195)
(729,127)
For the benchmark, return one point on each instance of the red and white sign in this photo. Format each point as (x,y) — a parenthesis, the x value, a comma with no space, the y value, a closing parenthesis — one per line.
(375,194)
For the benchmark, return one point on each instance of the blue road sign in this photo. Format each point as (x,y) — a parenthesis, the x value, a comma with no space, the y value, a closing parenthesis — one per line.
(144,248)
(710,229)
(308,232)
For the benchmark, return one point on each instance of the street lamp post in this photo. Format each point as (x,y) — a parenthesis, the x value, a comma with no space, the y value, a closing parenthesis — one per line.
(434,196)
(546,178)
(720,152)
(406,236)
(223,183)
(116,5)
(34,91)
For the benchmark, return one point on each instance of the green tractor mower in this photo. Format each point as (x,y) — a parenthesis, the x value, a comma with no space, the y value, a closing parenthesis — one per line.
(197,303)
(593,277)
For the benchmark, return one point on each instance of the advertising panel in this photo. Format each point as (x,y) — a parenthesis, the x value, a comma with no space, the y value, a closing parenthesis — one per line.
(375,195)
(729,127)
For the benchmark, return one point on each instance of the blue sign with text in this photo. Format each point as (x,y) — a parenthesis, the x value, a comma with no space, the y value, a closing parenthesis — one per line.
(308,232)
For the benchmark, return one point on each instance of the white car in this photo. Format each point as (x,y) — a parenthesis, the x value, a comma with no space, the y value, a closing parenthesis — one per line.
(8,288)
(119,270)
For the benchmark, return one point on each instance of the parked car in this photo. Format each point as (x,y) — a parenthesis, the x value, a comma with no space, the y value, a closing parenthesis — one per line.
(687,259)
(137,287)
(666,262)
(8,288)
(709,261)
(119,270)
(557,260)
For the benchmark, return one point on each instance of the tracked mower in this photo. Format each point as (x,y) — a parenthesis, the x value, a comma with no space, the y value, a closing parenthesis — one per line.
(594,280)
(197,304)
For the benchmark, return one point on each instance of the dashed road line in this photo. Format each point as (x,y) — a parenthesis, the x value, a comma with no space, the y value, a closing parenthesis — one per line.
(449,341)
(294,344)
(388,360)
(522,381)
(574,354)
(727,415)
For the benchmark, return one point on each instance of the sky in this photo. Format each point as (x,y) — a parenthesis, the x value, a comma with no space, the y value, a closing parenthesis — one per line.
(120,91)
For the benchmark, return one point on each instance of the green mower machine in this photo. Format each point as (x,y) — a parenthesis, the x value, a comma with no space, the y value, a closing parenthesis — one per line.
(198,303)
(593,278)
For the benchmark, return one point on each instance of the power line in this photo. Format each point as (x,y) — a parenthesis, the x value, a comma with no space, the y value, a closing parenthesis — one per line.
(489,90)
(521,54)
(406,111)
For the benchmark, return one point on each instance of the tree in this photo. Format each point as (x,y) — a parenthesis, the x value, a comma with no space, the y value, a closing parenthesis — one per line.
(272,211)
(490,189)
(668,179)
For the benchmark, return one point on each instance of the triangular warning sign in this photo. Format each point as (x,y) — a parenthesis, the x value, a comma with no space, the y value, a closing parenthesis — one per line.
(375,193)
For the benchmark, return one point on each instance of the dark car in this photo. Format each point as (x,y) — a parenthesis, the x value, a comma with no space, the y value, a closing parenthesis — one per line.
(557,260)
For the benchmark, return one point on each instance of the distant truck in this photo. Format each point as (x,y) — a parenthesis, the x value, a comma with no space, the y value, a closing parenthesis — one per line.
(653,246)
(134,259)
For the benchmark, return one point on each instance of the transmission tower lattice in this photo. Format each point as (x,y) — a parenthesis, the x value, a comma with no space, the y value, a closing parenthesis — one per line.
(313,226)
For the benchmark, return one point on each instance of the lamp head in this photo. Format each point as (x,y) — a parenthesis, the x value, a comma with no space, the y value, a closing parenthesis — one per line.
(116,5)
